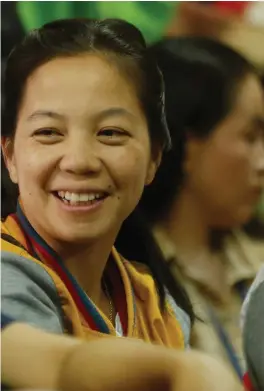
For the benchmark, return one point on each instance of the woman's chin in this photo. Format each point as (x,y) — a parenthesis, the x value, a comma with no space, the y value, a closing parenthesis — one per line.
(78,235)
(232,220)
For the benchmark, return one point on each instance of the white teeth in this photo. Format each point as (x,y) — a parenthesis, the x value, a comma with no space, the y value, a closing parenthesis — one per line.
(74,197)
(84,197)
(79,197)
(61,194)
(91,197)
(67,196)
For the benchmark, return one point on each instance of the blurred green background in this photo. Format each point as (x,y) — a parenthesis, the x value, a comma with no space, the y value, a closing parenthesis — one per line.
(151,17)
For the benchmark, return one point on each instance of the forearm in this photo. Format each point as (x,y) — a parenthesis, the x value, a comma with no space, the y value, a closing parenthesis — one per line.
(32,358)
(121,365)
(117,365)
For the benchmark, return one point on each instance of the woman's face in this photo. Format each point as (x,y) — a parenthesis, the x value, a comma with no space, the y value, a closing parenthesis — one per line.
(81,154)
(225,172)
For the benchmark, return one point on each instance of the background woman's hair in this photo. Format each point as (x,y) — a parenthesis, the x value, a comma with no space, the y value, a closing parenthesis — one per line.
(201,79)
(123,44)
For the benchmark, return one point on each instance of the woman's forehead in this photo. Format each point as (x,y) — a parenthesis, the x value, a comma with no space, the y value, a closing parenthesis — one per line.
(250,97)
(85,83)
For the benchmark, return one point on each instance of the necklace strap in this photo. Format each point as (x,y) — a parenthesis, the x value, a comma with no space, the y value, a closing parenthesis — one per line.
(106,290)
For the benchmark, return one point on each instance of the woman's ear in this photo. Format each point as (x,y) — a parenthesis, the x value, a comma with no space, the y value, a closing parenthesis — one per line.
(153,166)
(9,159)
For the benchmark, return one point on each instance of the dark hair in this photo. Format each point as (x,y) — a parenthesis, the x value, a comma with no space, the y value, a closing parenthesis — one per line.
(201,79)
(110,37)
(125,44)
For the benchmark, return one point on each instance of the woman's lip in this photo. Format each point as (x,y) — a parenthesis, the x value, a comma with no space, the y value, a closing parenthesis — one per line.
(258,191)
(256,194)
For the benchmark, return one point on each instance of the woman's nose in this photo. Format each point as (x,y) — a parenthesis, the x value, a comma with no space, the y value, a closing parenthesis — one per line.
(81,157)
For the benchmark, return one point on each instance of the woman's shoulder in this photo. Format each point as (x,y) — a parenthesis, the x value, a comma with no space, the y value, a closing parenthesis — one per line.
(243,250)
(28,293)
(12,237)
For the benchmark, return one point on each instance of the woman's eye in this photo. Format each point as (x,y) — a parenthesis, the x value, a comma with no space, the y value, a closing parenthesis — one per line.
(110,132)
(47,132)
(48,136)
(113,134)
(251,136)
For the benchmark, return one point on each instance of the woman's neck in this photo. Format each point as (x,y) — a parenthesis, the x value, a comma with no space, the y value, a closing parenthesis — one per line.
(189,232)
(86,262)
(186,226)
(87,265)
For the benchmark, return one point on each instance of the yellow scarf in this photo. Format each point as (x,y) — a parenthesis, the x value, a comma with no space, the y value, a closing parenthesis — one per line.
(145,318)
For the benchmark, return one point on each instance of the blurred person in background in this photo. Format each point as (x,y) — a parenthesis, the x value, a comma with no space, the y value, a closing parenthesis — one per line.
(252,322)
(208,185)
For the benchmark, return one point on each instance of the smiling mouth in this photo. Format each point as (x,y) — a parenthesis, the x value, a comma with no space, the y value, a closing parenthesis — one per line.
(80,199)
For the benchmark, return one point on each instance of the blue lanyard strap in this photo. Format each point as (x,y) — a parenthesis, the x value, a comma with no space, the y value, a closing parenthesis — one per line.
(223,336)
(241,288)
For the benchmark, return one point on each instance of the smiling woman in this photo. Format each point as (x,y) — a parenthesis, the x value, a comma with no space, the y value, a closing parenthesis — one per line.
(77,140)
(83,134)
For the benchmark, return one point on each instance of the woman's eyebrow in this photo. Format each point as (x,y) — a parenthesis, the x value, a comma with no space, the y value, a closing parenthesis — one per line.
(45,113)
(110,112)
(115,111)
